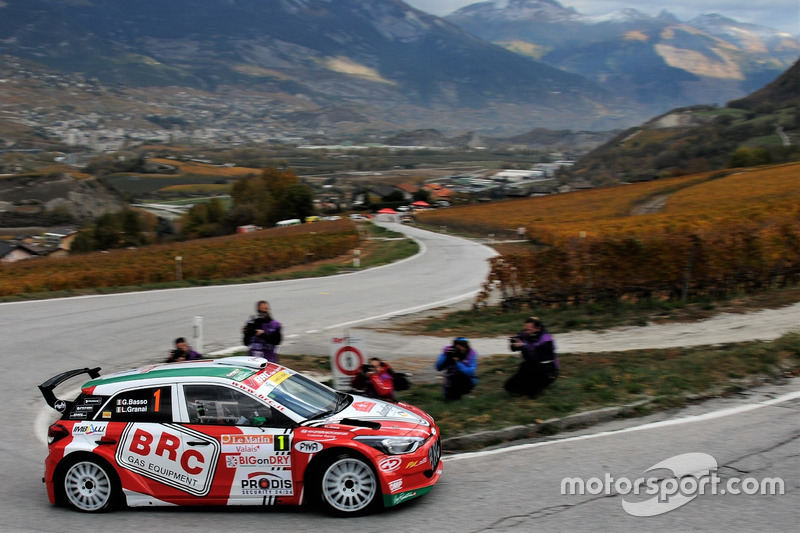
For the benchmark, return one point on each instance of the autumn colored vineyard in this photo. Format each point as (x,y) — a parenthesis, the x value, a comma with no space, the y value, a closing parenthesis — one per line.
(231,256)
(706,234)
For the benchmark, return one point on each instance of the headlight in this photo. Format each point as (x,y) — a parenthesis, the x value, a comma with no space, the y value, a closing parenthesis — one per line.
(393,445)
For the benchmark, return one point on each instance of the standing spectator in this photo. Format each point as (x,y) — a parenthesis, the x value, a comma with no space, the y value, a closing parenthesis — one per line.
(262,333)
(375,380)
(460,365)
(539,366)
(182,352)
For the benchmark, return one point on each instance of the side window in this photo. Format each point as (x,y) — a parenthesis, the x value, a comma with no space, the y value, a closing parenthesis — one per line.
(214,404)
(152,404)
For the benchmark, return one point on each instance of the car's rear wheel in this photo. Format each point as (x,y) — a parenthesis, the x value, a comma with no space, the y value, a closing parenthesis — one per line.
(88,486)
(348,485)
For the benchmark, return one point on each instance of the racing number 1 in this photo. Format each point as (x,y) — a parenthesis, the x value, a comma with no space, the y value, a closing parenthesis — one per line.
(157,396)
(281,443)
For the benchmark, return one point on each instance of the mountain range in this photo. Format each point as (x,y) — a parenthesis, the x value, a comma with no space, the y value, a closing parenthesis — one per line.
(356,66)
(659,61)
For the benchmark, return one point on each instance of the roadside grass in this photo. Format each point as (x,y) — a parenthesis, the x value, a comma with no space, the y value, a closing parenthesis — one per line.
(493,321)
(667,378)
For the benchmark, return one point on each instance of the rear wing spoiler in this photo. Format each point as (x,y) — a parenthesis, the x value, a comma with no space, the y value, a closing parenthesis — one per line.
(48,386)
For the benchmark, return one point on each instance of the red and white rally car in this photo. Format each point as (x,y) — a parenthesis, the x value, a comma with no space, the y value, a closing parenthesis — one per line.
(233,431)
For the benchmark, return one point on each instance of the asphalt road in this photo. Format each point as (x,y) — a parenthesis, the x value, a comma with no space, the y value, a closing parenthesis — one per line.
(510,489)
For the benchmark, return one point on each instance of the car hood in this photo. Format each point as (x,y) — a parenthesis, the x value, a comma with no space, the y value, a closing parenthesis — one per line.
(384,413)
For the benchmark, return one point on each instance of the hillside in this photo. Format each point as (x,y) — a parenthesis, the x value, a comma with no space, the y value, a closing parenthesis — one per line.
(713,233)
(345,65)
(759,129)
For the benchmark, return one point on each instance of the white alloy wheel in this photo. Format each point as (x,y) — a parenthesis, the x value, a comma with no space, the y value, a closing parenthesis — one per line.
(348,485)
(88,487)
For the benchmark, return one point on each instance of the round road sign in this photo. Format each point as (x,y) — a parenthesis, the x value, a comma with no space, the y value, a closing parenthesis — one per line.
(348,360)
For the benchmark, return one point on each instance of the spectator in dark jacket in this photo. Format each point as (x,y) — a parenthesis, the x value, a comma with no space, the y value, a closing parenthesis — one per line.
(539,366)
(262,333)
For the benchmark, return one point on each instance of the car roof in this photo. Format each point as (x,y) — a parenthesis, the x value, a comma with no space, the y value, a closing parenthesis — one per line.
(237,368)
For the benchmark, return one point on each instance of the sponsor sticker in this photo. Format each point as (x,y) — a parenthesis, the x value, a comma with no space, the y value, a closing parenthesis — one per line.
(363,406)
(264,444)
(256,380)
(307,446)
(323,433)
(245,439)
(161,452)
(279,377)
(257,461)
(267,484)
(238,374)
(389,464)
(403,496)
(395,485)
(97,428)
(414,464)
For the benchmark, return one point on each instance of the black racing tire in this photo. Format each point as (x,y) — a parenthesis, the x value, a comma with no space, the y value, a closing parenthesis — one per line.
(88,485)
(348,485)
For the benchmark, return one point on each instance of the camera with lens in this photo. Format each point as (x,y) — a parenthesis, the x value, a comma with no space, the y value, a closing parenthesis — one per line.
(453,353)
(366,369)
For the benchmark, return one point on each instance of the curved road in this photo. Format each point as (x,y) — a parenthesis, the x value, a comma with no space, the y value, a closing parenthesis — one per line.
(755,435)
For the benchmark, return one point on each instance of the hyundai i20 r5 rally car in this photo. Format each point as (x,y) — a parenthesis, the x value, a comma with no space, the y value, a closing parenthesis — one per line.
(233,431)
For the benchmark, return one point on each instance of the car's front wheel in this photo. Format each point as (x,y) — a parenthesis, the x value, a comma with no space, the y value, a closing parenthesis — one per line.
(88,486)
(348,485)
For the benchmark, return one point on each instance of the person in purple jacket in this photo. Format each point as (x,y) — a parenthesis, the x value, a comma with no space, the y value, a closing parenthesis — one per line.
(460,365)
(539,366)
(262,333)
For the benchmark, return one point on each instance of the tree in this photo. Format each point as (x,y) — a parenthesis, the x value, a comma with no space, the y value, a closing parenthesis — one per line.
(106,232)
(83,243)
(165,229)
(422,194)
(394,196)
(131,228)
(273,196)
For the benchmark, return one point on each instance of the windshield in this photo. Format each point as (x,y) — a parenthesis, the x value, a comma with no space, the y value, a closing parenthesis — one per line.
(304,396)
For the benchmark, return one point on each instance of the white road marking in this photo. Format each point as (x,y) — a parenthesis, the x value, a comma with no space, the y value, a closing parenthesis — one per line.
(652,425)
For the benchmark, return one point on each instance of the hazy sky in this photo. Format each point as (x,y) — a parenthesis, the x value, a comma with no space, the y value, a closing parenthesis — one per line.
(779,14)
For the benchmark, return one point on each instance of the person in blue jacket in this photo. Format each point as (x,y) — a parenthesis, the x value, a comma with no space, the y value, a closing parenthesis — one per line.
(459,363)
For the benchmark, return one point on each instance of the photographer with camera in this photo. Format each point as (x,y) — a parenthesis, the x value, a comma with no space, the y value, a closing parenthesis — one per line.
(182,352)
(375,380)
(539,366)
(460,365)
(262,333)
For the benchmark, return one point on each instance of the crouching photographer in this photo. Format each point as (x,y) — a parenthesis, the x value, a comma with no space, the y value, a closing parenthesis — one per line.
(459,363)
(182,352)
(374,380)
(539,366)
